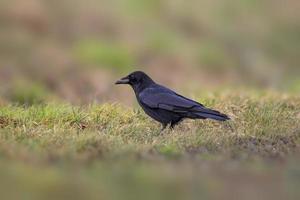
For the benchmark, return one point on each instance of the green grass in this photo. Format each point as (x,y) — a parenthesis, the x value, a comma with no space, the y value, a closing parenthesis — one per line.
(105,54)
(111,151)
(27,93)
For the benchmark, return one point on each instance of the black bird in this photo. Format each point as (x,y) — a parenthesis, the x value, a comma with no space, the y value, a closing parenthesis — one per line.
(165,105)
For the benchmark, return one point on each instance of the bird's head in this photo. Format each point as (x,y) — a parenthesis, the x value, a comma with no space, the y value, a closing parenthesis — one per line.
(138,80)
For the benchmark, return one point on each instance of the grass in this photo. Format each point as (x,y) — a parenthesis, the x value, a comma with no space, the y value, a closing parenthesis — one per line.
(110,151)
(105,54)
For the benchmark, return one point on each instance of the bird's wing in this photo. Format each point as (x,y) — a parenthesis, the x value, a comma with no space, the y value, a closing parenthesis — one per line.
(166,99)
(163,98)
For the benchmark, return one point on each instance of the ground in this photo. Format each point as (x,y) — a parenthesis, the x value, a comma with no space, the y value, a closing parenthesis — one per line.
(110,151)
(59,54)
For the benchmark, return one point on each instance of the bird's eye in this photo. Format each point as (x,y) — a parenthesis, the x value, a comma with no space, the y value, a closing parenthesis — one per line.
(133,79)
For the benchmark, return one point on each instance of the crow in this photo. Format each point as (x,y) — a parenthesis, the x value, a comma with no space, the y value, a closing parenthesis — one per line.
(165,105)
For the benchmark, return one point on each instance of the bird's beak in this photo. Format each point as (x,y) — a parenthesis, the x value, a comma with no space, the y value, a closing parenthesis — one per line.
(124,80)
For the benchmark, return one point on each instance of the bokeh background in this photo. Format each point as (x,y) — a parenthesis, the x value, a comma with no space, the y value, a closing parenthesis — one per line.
(73,50)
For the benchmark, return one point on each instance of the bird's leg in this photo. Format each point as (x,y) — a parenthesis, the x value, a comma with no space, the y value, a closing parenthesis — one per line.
(164,127)
(172,126)
(174,123)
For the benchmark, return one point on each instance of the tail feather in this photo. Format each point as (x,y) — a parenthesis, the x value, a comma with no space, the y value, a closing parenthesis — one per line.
(206,113)
(201,112)
(220,117)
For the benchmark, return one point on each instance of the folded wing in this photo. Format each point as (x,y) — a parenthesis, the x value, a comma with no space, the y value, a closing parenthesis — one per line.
(170,101)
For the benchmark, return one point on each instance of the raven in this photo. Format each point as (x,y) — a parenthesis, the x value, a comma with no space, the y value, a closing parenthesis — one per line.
(165,105)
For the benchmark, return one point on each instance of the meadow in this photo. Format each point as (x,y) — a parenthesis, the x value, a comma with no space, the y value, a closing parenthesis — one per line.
(66,132)
(110,151)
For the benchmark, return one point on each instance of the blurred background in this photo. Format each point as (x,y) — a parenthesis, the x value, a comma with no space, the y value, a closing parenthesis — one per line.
(73,50)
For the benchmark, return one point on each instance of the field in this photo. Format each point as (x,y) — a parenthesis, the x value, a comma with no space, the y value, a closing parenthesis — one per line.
(67,132)
(109,151)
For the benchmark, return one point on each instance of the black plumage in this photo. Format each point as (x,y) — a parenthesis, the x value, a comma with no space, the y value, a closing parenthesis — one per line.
(165,105)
